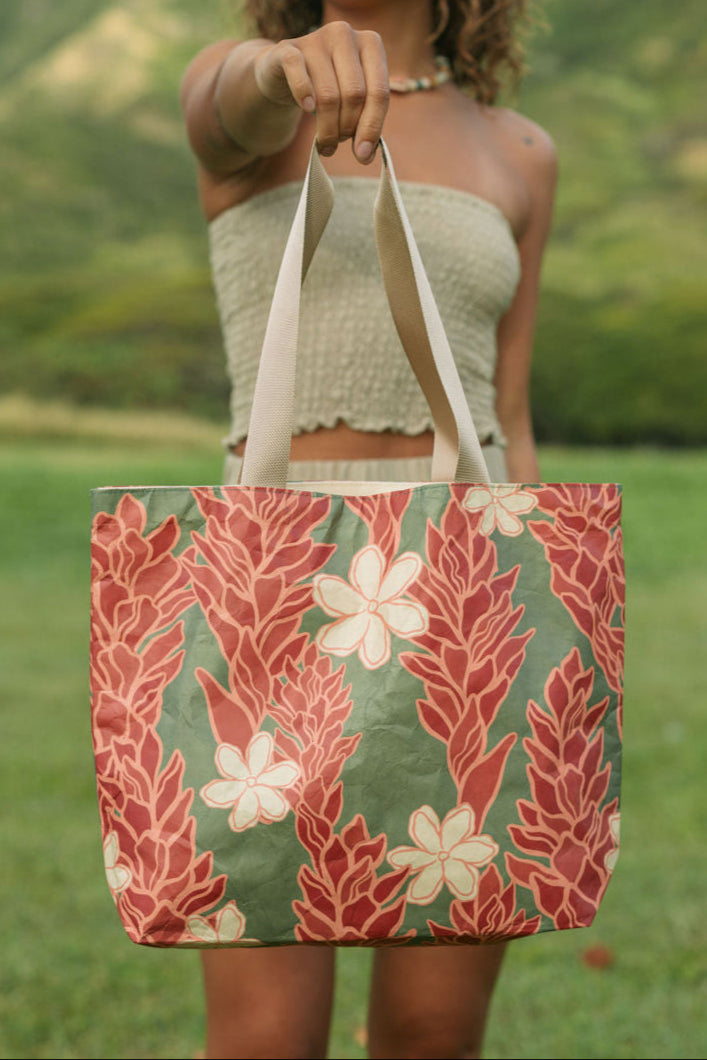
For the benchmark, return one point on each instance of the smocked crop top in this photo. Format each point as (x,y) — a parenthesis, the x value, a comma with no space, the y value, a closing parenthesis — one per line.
(351,366)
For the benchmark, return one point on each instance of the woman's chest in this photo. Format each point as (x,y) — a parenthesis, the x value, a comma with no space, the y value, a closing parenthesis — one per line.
(430,143)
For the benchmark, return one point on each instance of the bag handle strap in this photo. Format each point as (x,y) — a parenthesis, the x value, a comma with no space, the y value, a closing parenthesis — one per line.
(457,452)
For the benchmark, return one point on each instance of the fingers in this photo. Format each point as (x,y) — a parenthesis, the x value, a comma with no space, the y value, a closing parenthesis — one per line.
(369,127)
(294,66)
(351,82)
(330,101)
(282,76)
(342,77)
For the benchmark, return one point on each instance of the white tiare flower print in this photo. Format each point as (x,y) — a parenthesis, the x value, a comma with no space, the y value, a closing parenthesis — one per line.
(228,927)
(501,506)
(251,784)
(449,853)
(370,606)
(117,875)
(613,856)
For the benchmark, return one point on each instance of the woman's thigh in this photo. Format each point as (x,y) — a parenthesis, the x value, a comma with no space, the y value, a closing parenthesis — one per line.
(270,1002)
(431,1001)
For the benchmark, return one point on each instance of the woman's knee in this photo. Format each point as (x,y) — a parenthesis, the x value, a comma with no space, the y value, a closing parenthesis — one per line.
(432,1002)
(422,1047)
(268,1003)
(425,1037)
(267,1041)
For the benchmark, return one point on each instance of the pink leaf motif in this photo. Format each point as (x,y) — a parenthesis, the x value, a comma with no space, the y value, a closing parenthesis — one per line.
(137,586)
(565,822)
(383,515)
(251,569)
(584,547)
(343,898)
(469,657)
(139,589)
(311,707)
(491,916)
(143,805)
(235,714)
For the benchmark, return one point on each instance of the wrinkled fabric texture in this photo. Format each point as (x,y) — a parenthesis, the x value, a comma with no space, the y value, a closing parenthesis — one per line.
(357,720)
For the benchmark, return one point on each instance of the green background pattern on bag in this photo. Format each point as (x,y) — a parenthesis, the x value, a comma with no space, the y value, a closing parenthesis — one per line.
(468,791)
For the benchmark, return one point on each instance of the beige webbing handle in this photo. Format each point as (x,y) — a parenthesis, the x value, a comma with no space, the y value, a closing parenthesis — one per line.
(457,453)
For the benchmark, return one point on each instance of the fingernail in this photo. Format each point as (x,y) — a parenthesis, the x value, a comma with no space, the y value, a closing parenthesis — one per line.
(365,150)
(308,104)
(327,151)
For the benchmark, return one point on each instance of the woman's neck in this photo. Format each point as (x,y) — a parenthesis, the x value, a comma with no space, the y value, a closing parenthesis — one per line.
(405,27)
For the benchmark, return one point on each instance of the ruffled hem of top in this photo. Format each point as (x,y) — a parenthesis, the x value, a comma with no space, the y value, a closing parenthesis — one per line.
(487,433)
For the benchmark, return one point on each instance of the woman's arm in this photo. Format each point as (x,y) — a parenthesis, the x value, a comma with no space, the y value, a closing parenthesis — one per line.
(220,100)
(535,157)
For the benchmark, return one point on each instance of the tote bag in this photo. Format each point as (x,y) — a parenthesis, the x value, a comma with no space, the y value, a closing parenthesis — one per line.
(357,713)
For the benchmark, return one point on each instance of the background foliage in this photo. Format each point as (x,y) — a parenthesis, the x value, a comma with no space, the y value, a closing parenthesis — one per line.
(105,296)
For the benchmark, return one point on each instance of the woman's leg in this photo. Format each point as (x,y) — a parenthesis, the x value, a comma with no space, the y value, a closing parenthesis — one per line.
(270,1002)
(431,1001)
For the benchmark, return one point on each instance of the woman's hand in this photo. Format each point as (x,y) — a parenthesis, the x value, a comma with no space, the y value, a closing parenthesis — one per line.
(244,100)
(335,73)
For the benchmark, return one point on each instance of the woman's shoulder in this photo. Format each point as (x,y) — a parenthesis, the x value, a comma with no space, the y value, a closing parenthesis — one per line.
(531,145)
(531,153)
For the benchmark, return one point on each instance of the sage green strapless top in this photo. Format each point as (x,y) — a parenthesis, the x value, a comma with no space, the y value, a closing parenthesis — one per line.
(351,366)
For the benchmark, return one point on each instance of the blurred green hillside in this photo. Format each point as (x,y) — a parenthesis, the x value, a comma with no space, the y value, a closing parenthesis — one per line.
(105,297)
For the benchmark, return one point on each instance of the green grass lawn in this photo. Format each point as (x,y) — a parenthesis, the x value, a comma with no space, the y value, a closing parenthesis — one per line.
(73,985)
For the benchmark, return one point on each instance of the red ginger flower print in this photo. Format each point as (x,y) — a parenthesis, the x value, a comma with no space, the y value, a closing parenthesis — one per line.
(469,655)
(490,915)
(127,684)
(344,900)
(139,586)
(139,589)
(565,822)
(253,589)
(383,515)
(584,547)
(145,810)
(311,709)
(341,891)
(258,583)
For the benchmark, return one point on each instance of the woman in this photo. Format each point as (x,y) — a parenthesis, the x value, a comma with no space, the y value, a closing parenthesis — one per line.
(478,182)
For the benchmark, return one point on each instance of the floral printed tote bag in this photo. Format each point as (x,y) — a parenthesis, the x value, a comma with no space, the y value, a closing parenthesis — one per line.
(357,713)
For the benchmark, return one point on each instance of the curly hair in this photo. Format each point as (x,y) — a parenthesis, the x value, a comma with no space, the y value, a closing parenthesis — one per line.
(483,39)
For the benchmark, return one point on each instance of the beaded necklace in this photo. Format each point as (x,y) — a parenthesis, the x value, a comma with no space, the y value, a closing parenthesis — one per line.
(420,84)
